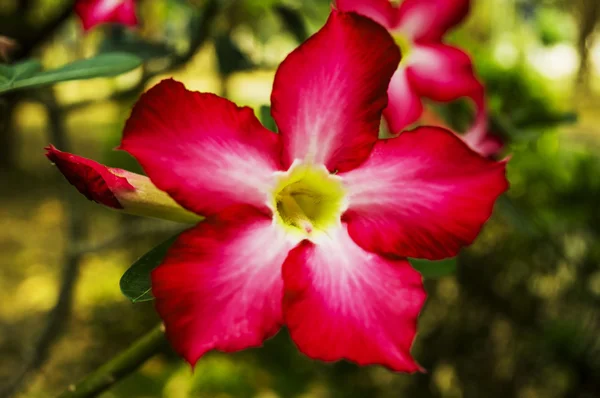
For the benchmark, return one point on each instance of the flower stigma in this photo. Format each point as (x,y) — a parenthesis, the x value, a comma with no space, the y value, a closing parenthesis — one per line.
(405,45)
(307,199)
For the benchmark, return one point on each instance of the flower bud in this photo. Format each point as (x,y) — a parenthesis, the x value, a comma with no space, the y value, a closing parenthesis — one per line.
(118,189)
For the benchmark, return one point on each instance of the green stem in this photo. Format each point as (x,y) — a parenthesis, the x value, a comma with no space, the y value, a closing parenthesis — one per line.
(118,367)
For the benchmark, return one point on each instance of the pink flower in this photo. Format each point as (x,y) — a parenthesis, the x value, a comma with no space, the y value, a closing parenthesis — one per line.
(96,12)
(308,228)
(429,67)
(486,144)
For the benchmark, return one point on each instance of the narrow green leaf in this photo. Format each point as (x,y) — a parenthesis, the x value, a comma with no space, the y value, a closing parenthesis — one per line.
(264,115)
(28,74)
(137,46)
(230,57)
(103,65)
(292,20)
(135,282)
(21,70)
(434,269)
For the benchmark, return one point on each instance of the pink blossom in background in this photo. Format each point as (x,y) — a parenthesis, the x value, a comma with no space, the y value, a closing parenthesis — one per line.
(479,137)
(488,144)
(429,67)
(309,228)
(96,12)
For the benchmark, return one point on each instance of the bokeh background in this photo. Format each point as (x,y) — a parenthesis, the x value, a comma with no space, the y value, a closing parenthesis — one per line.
(518,317)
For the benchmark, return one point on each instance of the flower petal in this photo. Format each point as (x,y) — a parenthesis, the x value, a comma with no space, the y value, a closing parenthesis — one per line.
(220,286)
(478,136)
(93,180)
(202,149)
(423,194)
(429,20)
(381,11)
(489,145)
(404,106)
(329,93)
(96,12)
(442,73)
(480,124)
(342,302)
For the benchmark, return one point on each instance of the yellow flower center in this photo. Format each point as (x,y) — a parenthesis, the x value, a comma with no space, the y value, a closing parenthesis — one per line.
(405,45)
(307,199)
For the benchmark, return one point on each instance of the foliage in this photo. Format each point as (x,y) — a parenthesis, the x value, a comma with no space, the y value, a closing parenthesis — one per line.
(135,282)
(29,74)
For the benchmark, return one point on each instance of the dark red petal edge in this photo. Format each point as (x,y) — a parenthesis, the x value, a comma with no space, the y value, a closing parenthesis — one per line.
(94,180)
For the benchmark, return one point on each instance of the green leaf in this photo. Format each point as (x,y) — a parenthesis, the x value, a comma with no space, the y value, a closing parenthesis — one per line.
(135,282)
(434,269)
(264,115)
(520,219)
(554,26)
(292,20)
(21,70)
(229,56)
(136,46)
(29,74)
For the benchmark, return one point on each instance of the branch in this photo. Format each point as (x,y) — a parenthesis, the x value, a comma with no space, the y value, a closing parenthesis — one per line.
(58,316)
(141,351)
(119,367)
(198,39)
(24,5)
(29,43)
(132,92)
(589,14)
(129,233)
(8,104)
(209,13)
